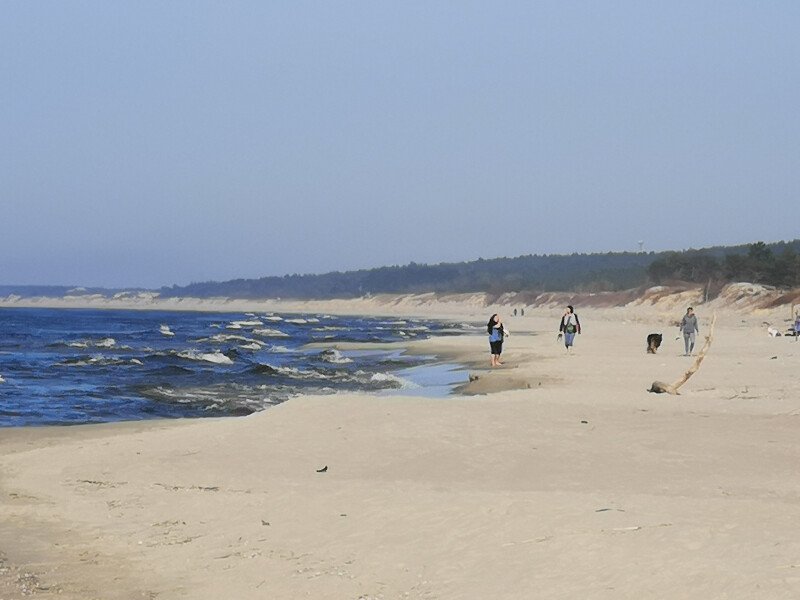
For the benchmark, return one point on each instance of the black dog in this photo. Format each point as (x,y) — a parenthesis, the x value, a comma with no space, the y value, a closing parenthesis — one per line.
(653,342)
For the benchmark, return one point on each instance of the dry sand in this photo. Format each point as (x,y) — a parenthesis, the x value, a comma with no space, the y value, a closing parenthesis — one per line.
(577,484)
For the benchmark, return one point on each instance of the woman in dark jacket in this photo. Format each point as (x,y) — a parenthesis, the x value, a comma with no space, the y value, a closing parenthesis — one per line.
(496,334)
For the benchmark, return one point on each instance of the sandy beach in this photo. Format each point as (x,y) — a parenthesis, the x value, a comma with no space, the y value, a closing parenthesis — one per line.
(250,252)
(552,477)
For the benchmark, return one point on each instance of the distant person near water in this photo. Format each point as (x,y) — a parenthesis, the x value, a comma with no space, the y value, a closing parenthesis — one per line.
(497,331)
(797,327)
(570,325)
(689,329)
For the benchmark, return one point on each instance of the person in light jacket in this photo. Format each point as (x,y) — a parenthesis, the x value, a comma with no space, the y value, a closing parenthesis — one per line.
(689,329)
(570,325)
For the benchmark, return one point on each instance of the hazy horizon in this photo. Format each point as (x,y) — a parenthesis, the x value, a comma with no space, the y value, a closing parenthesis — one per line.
(149,144)
(166,285)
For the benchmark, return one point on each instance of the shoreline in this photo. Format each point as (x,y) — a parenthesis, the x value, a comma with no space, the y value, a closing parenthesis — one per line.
(269,377)
(492,495)
(422,305)
(36,570)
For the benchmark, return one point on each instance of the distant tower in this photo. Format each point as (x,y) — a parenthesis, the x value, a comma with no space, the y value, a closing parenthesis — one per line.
(641,246)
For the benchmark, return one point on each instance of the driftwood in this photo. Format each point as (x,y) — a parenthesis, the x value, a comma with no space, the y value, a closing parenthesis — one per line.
(659,387)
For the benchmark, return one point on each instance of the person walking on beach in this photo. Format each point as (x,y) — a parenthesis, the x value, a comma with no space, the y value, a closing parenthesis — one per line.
(689,329)
(570,325)
(797,327)
(496,332)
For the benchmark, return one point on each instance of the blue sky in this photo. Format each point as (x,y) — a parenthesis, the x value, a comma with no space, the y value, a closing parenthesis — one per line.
(152,143)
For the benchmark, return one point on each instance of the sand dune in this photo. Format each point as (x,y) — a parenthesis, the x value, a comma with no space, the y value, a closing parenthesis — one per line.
(743,298)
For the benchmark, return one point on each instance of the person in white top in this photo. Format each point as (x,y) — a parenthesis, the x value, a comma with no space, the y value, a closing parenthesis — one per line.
(570,325)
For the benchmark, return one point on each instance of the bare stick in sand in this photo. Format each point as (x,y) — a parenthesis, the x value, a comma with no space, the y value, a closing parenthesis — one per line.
(659,387)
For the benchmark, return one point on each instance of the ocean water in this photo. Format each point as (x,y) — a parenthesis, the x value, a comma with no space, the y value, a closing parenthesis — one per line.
(69,366)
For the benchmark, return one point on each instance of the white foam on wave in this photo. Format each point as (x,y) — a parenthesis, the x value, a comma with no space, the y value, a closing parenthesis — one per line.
(253,346)
(215,357)
(220,397)
(183,396)
(273,318)
(2,380)
(390,377)
(295,373)
(248,323)
(300,373)
(96,360)
(278,349)
(266,332)
(227,337)
(165,330)
(102,343)
(297,321)
(332,355)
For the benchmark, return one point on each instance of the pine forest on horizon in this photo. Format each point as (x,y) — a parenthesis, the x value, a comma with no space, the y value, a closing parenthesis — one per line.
(774,264)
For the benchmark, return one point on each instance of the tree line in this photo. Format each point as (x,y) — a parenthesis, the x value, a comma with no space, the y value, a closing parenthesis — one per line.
(773,264)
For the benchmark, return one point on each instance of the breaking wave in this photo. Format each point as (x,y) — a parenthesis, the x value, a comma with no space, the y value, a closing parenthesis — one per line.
(332,355)
(216,357)
(266,332)
(98,360)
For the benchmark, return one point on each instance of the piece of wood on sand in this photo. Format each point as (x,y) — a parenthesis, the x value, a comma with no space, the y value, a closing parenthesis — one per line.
(659,387)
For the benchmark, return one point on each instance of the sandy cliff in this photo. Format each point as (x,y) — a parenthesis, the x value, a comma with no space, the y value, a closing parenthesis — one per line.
(740,298)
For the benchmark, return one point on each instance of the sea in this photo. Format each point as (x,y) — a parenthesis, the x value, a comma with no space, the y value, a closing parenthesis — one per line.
(73,366)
